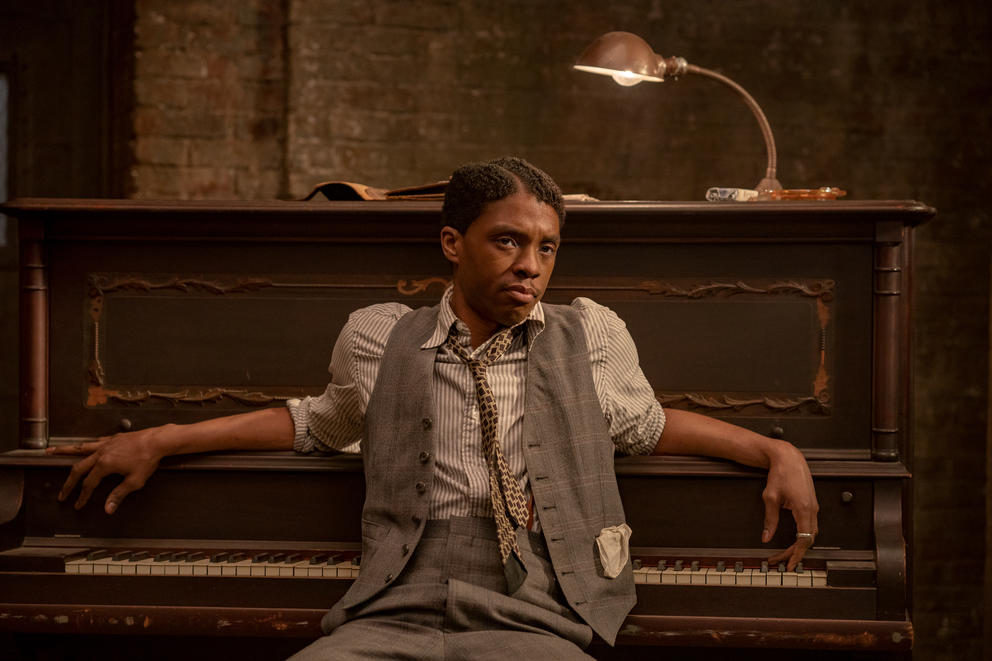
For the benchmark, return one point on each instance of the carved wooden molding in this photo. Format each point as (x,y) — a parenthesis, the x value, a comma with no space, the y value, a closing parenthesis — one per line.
(102,284)
(822,289)
(720,402)
(414,287)
(98,395)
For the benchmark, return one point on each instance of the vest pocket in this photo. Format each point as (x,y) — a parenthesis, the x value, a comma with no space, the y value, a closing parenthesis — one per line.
(373,530)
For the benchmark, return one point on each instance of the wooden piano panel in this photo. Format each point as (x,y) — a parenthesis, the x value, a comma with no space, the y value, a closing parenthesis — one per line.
(767,331)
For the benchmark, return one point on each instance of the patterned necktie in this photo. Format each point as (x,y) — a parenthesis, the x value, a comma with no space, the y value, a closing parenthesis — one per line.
(509,505)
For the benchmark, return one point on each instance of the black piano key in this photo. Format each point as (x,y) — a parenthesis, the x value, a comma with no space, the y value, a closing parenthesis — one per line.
(764,566)
(781,567)
(678,565)
(333,559)
(277,557)
(738,567)
(293,557)
(121,556)
(661,565)
(799,568)
(164,556)
(635,563)
(694,566)
(220,556)
(721,565)
(356,561)
(318,558)
(261,557)
(194,556)
(138,556)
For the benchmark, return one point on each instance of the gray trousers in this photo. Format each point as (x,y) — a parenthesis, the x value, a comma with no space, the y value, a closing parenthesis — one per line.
(451,603)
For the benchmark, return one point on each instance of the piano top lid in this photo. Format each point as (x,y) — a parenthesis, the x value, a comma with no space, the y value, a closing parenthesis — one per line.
(26,206)
(608,221)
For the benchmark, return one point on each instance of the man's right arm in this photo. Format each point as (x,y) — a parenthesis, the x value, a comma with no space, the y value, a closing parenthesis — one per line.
(136,455)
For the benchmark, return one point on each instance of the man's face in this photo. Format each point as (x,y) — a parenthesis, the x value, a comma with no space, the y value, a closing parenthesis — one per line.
(502,262)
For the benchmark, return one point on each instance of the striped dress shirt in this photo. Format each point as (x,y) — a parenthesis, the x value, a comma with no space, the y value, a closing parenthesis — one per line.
(334,420)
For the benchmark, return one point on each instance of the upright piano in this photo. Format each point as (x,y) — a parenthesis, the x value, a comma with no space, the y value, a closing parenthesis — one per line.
(789,318)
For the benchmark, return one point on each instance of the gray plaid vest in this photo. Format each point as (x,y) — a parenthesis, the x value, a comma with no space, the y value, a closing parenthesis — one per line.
(569,458)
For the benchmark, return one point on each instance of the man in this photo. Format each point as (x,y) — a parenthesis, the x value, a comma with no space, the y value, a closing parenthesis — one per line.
(492,523)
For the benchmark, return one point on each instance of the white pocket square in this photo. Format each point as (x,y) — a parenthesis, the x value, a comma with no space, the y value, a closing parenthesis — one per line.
(613,549)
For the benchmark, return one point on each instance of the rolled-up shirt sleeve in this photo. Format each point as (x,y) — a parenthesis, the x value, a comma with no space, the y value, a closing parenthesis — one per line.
(633,413)
(335,419)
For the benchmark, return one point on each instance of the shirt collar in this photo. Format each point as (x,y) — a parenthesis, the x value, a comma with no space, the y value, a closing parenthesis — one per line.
(446,317)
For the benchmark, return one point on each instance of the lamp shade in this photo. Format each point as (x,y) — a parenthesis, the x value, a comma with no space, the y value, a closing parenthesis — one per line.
(630,60)
(625,56)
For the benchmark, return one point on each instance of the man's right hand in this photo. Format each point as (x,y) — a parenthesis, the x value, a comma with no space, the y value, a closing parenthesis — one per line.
(135,455)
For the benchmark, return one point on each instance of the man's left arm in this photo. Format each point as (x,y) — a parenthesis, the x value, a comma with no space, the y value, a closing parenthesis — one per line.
(789,485)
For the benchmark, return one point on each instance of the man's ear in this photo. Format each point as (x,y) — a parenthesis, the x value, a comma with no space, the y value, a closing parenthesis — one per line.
(451,244)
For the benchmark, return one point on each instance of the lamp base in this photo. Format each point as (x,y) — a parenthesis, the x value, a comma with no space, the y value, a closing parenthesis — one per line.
(766,186)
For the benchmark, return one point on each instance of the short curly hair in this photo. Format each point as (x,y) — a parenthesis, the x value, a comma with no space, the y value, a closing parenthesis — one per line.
(475,185)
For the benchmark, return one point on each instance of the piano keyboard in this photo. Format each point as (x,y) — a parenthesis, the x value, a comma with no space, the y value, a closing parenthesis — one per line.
(736,574)
(290,564)
(215,563)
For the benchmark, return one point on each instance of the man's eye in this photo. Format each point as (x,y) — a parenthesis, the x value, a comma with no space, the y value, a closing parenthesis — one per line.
(549,249)
(506,241)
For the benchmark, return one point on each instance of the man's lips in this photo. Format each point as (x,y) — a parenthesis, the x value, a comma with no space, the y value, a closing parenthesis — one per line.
(521,293)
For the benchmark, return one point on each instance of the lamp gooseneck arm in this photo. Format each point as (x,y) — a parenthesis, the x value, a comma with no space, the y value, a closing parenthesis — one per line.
(770,182)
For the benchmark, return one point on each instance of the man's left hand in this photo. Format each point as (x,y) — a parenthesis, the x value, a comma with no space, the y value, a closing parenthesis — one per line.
(790,485)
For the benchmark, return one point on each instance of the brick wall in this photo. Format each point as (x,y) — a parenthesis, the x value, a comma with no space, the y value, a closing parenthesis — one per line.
(888,100)
(210,105)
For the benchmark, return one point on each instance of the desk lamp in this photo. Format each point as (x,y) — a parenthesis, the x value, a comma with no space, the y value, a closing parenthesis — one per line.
(630,60)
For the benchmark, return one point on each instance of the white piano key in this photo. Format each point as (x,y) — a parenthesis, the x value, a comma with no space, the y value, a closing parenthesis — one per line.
(728,577)
(345,569)
(143,567)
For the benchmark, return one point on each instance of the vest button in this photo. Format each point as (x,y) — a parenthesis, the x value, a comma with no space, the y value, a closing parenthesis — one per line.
(405,549)
(389,577)
(421,487)
(428,423)
(425,456)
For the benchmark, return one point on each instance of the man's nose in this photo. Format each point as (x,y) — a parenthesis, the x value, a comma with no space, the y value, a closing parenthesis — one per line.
(527,263)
